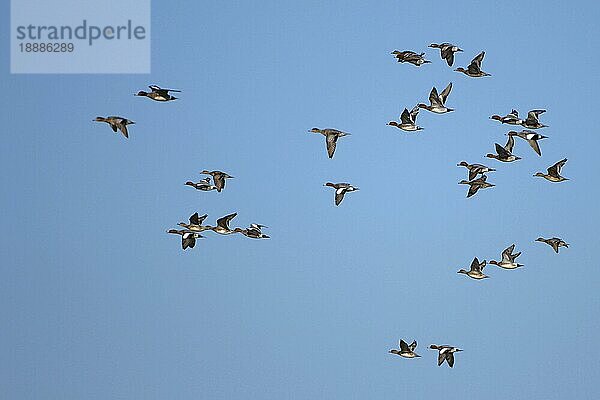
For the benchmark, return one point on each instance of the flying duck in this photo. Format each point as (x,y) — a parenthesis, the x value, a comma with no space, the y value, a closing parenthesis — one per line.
(553,174)
(254,232)
(410,57)
(331,137)
(505,153)
(475,185)
(218,178)
(195,223)
(340,190)
(223,225)
(447,51)
(476,271)
(408,120)
(115,123)
(532,121)
(158,93)
(554,242)
(512,118)
(474,69)
(508,259)
(438,101)
(203,185)
(475,169)
(445,353)
(531,137)
(406,350)
(188,238)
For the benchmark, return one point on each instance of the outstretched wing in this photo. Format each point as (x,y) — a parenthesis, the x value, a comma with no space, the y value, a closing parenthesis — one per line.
(555,169)
(510,144)
(434,98)
(413,345)
(445,93)
(403,345)
(472,190)
(339,195)
(475,66)
(223,222)
(413,114)
(450,359)
(475,265)
(331,141)
(501,151)
(405,117)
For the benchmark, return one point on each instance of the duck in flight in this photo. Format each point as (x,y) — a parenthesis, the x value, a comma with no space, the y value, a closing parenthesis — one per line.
(223,228)
(445,353)
(203,184)
(474,69)
(188,238)
(195,224)
(447,51)
(254,231)
(406,350)
(408,120)
(508,259)
(410,57)
(331,137)
(115,123)
(505,154)
(530,137)
(340,190)
(476,184)
(158,94)
(553,174)
(218,178)
(476,271)
(475,169)
(512,118)
(438,101)
(532,121)
(554,242)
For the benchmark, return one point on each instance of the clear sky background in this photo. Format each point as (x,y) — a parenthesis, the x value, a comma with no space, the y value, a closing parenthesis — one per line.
(98,302)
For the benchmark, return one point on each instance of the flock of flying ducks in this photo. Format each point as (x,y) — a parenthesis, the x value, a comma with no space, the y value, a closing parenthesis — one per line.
(191,230)
(477,178)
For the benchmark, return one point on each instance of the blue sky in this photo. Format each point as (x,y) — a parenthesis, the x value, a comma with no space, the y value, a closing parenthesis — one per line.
(99,302)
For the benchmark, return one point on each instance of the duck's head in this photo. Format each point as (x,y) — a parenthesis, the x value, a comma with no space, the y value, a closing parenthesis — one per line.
(540,239)
(462,271)
(392,123)
(456,48)
(204,171)
(463,182)
(189,183)
(517,158)
(460,69)
(419,128)
(315,130)
(99,119)
(496,117)
(434,45)
(494,262)
(182,224)
(462,164)
(490,155)
(422,105)
(394,351)
(512,133)
(173,231)
(141,93)
(433,346)
(328,184)
(228,176)
(539,174)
